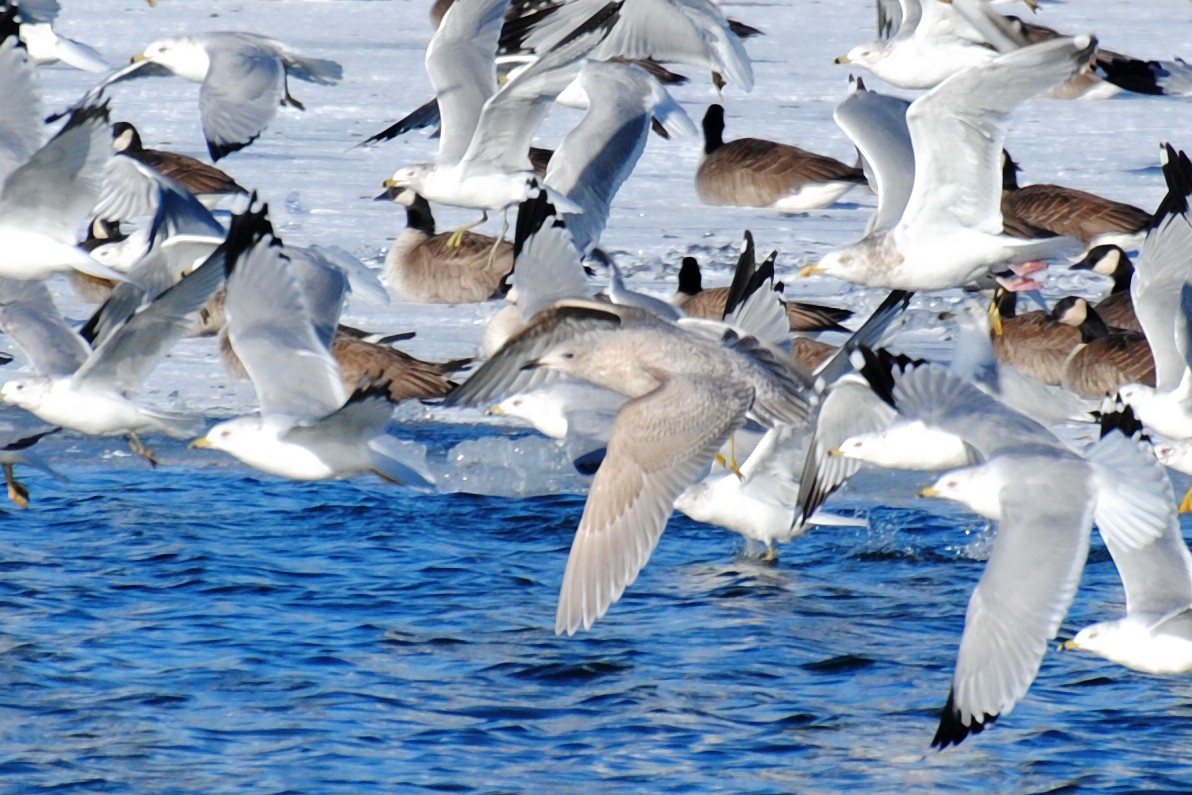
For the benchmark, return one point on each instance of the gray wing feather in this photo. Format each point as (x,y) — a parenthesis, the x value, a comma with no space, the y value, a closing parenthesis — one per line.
(660,445)
(29,316)
(1161,269)
(271,331)
(876,124)
(240,96)
(20,124)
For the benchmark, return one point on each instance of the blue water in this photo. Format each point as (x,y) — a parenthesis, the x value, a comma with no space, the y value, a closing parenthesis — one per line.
(201,628)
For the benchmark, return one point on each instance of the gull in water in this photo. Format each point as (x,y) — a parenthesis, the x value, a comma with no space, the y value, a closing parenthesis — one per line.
(244,80)
(308,428)
(1155,636)
(90,390)
(686,394)
(1045,499)
(951,230)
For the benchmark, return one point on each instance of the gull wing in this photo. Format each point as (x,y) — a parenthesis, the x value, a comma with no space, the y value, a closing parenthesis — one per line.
(958,130)
(1161,270)
(55,190)
(876,124)
(240,95)
(461,63)
(660,445)
(20,124)
(507,123)
(271,330)
(1024,593)
(29,316)
(597,156)
(125,358)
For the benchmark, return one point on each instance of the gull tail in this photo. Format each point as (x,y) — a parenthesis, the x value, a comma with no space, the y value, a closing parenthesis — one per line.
(400,463)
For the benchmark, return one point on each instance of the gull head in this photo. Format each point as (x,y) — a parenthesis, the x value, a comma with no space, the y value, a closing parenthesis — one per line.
(184,56)
(536,408)
(1136,395)
(26,393)
(861,55)
(410,177)
(232,436)
(979,488)
(1177,455)
(842,264)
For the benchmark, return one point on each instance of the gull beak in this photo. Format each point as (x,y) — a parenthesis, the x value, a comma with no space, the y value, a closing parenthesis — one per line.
(836,451)
(929,491)
(1069,645)
(810,270)
(391,183)
(534,365)
(494,411)
(201,442)
(842,59)
(137,58)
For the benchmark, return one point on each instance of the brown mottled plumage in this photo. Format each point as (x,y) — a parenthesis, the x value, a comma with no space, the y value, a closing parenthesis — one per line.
(1067,211)
(1034,342)
(201,179)
(752,172)
(361,361)
(1107,358)
(420,266)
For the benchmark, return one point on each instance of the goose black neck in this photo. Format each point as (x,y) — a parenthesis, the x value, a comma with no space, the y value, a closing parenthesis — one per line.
(418,216)
(713,129)
(690,280)
(1009,172)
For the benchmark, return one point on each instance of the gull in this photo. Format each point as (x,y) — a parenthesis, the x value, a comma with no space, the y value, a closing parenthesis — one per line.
(923,42)
(46,191)
(46,46)
(754,172)
(1155,636)
(483,160)
(686,394)
(1162,293)
(90,390)
(599,153)
(951,230)
(1045,499)
(244,80)
(308,428)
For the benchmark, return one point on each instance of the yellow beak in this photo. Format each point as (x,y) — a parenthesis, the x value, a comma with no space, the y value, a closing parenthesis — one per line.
(138,58)
(390,183)
(494,411)
(842,59)
(1069,645)
(929,491)
(995,319)
(810,270)
(836,451)
(201,442)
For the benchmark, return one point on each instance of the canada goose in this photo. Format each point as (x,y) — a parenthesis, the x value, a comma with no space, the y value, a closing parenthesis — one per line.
(1107,358)
(208,183)
(695,301)
(752,172)
(1117,308)
(361,361)
(421,266)
(1034,343)
(1089,218)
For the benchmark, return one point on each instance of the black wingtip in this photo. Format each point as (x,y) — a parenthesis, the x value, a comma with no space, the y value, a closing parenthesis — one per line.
(245,230)
(532,215)
(1132,74)
(218,150)
(738,291)
(9,27)
(85,113)
(952,730)
(878,366)
(1121,418)
(1177,172)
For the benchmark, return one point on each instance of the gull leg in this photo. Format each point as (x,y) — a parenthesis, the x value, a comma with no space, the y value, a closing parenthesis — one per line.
(771,555)
(135,444)
(16,491)
(457,237)
(492,254)
(732,460)
(1186,503)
